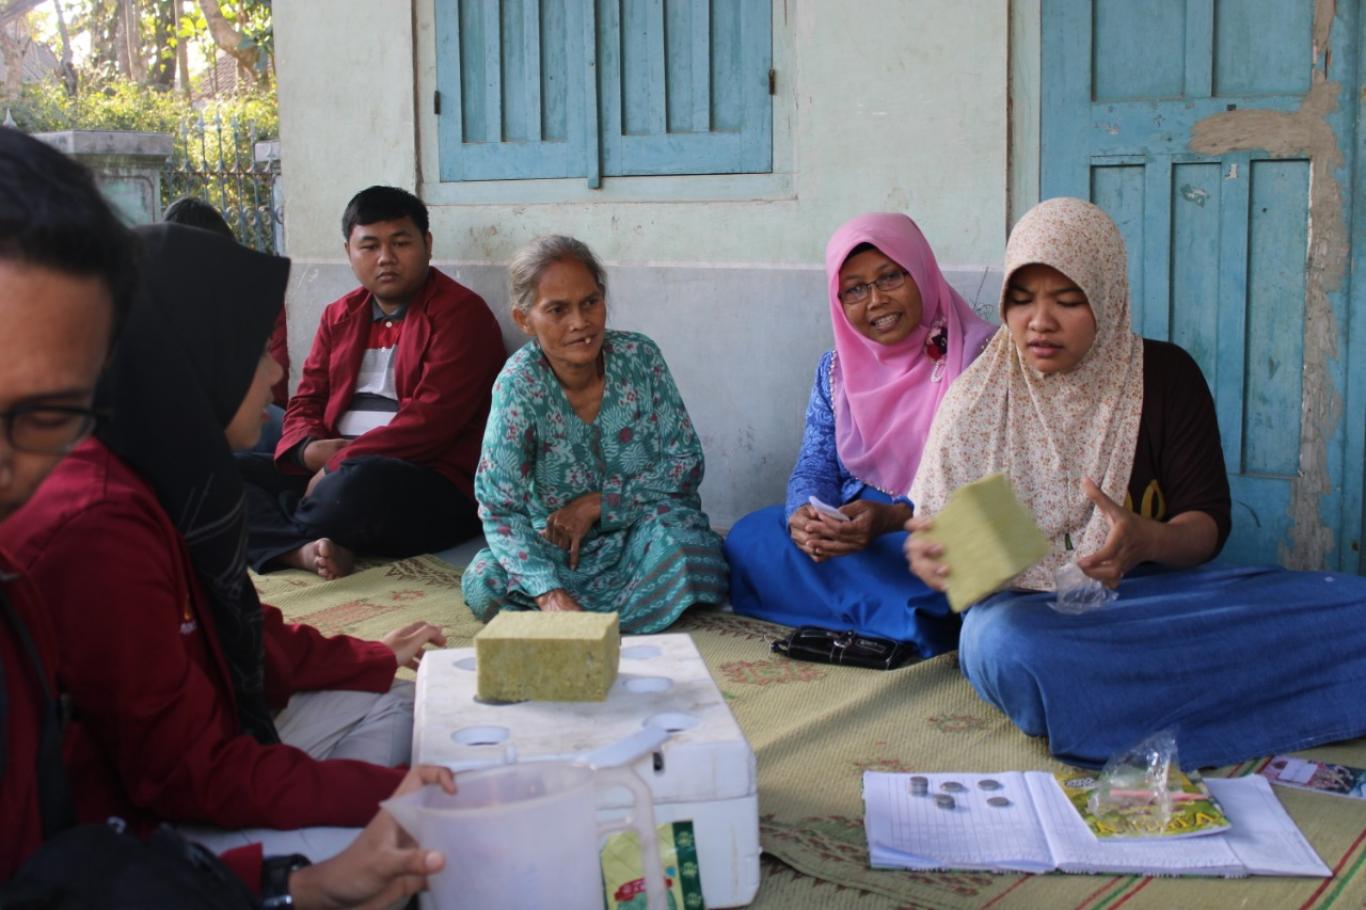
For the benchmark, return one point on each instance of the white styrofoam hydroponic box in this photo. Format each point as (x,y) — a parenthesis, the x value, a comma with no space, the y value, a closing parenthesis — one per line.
(704,773)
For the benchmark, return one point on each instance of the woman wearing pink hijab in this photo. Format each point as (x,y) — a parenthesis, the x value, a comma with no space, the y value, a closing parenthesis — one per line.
(902,335)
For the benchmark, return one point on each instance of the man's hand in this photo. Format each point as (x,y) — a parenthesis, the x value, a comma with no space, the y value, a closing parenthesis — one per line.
(381,868)
(567,527)
(558,601)
(408,642)
(320,451)
(925,558)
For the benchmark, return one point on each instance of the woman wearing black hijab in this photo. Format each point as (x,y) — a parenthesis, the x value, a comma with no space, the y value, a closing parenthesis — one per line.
(183,685)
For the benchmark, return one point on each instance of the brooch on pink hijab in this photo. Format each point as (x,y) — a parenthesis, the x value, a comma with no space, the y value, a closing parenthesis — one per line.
(937,347)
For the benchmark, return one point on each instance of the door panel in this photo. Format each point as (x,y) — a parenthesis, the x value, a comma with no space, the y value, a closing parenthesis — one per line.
(1219,244)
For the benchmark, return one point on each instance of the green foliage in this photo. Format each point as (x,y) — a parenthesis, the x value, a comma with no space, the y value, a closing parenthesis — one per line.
(212,139)
(259,108)
(103,51)
(212,157)
(118,104)
(253,19)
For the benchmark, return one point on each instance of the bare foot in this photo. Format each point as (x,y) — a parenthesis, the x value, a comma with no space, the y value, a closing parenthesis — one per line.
(331,559)
(324,556)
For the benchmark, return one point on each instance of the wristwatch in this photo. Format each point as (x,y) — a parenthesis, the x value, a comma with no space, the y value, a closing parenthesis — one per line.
(275,872)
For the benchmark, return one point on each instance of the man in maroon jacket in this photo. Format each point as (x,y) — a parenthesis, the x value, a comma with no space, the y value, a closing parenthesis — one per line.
(382,436)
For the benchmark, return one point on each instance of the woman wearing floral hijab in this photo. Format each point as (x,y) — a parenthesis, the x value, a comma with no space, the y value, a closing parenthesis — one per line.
(1111,441)
(901,337)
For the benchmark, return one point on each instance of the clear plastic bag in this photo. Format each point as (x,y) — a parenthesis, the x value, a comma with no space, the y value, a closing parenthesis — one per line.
(1138,782)
(1079,592)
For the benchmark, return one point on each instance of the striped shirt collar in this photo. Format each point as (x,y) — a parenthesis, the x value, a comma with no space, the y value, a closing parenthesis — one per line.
(377,314)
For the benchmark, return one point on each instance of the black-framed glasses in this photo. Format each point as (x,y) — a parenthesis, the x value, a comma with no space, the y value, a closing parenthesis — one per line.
(858,293)
(48,429)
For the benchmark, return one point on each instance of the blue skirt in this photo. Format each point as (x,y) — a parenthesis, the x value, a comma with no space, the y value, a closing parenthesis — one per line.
(871,591)
(1243,661)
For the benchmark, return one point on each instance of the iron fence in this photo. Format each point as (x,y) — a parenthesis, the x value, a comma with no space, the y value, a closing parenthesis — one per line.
(227,164)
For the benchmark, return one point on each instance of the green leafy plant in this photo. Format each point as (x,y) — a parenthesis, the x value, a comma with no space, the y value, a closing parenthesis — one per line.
(119,104)
(213,141)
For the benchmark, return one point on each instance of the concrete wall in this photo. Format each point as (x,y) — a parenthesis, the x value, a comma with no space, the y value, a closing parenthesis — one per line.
(742,343)
(127,167)
(1025,106)
(885,104)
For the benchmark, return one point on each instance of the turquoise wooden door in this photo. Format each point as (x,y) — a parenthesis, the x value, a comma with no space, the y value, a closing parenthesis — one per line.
(1220,136)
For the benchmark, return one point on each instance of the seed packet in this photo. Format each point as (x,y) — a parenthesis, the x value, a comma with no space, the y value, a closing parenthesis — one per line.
(624,879)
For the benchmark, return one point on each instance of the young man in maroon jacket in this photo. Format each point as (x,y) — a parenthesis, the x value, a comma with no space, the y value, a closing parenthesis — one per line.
(382,435)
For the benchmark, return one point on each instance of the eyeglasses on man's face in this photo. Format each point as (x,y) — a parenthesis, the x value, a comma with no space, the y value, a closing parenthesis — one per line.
(48,429)
(858,293)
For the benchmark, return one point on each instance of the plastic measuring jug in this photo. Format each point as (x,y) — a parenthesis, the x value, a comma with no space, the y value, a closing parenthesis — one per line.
(527,835)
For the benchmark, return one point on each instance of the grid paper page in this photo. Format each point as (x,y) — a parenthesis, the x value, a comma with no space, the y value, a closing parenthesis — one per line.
(1264,836)
(913,832)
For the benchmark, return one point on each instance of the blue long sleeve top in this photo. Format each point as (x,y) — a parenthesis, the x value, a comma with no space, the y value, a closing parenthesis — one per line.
(819,471)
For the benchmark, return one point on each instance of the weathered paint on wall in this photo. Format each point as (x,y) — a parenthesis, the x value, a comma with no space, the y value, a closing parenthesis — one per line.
(1305,133)
(346,110)
(1025,87)
(884,105)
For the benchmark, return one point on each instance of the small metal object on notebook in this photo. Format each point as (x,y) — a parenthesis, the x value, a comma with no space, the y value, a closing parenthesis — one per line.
(1000,802)
(952,786)
(920,786)
(987,783)
(944,801)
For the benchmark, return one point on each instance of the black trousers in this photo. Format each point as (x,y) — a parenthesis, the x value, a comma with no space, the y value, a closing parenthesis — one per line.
(370,505)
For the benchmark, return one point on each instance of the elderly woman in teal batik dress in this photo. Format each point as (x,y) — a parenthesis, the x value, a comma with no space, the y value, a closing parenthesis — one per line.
(588,481)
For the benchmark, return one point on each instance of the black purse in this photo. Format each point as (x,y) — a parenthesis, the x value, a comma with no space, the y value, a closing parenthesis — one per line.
(102,866)
(848,648)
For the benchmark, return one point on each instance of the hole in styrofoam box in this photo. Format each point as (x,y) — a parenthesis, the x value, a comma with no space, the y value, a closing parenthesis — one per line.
(672,721)
(497,702)
(465,663)
(640,652)
(647,684)
(480,736)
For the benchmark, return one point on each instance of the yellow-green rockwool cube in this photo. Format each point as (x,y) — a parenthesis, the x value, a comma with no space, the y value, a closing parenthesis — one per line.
(548,656)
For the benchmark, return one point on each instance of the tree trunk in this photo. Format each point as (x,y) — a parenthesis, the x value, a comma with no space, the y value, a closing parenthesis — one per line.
(161,72)
(68,67)
(14,43)
(101,22)
(14,9)
(132,41)
(118,40)
(182,52)
(229,40)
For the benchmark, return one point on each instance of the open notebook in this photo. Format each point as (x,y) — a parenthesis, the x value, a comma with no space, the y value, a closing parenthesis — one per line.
(1023,822)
